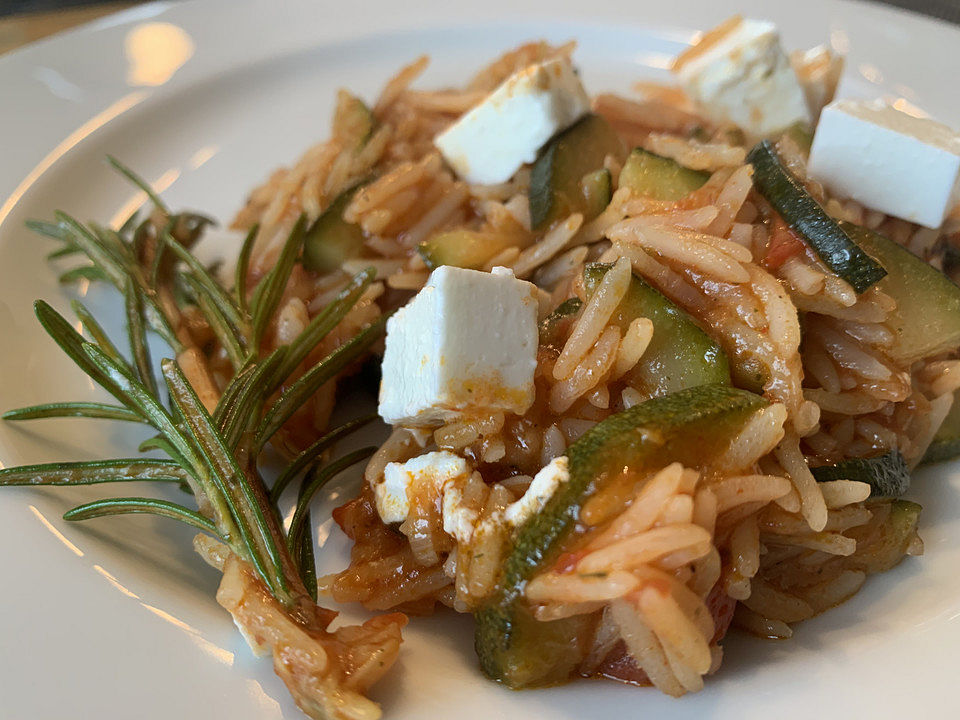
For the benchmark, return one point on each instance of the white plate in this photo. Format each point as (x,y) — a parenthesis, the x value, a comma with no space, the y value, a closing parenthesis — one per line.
(116,618)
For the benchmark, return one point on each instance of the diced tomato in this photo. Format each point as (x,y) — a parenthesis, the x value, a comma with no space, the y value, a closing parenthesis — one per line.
(784,244)
(721,607)
(620,665)
(568,561)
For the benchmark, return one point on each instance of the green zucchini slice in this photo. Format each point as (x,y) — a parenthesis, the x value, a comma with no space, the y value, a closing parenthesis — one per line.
(808,219)
(553,324)
(691,426)
(556,189)
(680,354)
(887,474)
(597,190)
(461,248)
(659,178)
(331,239)
(926,321)
(946,442)
(880,546)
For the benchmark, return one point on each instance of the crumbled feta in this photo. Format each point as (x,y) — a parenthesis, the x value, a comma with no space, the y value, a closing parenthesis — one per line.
(459,521)
(739,74)
(544,485)
(492,141)
(434,469)
(888,160)
(466,342)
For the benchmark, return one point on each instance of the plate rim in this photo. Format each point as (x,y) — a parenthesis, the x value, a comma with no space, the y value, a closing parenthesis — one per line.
(111,28)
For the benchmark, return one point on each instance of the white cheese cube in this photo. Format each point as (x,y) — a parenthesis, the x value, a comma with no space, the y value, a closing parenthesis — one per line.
(739,74)
(466,343)
(434,469)
(887,160)
(544,485)
(492,141)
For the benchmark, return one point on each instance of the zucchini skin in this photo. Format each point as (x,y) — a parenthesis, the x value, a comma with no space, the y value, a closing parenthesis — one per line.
(460,248)
(330,239)
(551,325)
(686,426)
(680,353)
(946,442)
(882,550)
(942,451)
(926,321)
(803,214)
(597,188)
(887,474)
(658,177)
(556,174)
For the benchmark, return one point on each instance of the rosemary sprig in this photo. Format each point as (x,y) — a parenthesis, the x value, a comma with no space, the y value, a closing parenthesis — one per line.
(213,450)
(139,182)
(320,478)
(268,293)
(93,472)
(98,334)
(315,378)
(242,269)
(73,409)
(137,332)
(126,506)
(202,279)
(84,272)
(309,457)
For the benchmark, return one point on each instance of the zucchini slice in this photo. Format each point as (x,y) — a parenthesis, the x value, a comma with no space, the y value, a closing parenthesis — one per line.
(926,321)
(887,474)
(660,178)
(331,239)
(550,328)
(946,442)
(805,216)
(680,354)
(597,190)
(556,188)
(882,545)
(462,248)
(690,426)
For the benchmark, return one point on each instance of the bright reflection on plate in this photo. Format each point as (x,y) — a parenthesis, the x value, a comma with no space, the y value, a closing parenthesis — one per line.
(155,51)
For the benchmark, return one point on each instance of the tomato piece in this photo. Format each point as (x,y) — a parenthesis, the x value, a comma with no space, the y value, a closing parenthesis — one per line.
(620,665)
(784,244)
(721,607)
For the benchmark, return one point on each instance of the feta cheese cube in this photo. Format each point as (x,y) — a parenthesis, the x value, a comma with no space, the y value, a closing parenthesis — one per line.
(494,139)
(466,343)
(739,74)
(888,160)
(544,485)
(434,469)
